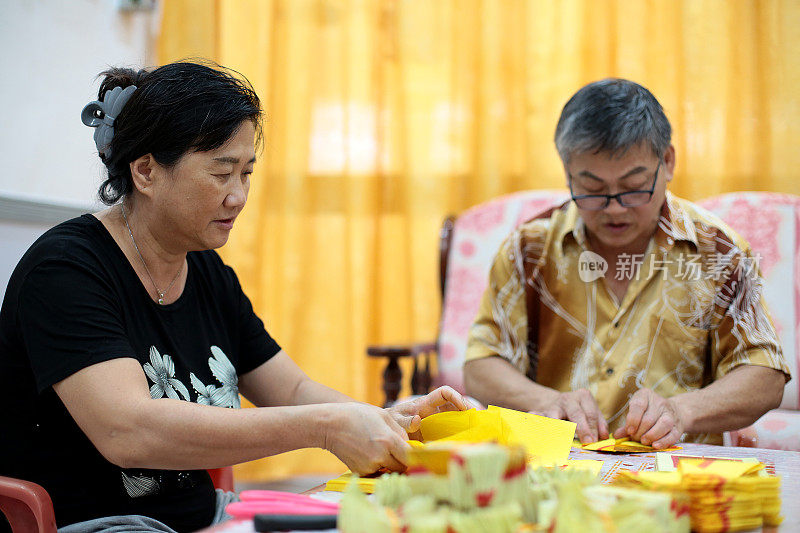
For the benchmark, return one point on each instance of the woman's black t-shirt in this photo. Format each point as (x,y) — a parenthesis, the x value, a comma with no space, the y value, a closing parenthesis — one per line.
(73,301)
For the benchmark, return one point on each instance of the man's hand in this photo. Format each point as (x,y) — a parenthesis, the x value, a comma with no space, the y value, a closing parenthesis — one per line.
(652,420)
(409,414)
(580,407)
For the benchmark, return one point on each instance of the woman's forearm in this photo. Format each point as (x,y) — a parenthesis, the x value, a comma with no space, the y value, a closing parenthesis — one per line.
(173,434)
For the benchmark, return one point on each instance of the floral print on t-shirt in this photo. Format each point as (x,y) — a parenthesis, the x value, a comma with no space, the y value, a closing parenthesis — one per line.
(161,372)
(226,395)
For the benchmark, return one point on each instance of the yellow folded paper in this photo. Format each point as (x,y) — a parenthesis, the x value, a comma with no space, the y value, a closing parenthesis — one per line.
(546,440)
(468,426)
(668,462)
(624,445)
(339,484)
(726,470)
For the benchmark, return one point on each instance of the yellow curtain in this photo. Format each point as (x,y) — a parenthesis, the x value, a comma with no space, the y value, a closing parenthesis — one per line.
(384,116)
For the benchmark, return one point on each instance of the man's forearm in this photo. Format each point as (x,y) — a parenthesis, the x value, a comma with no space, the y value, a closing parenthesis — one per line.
(734,401)
(493,380)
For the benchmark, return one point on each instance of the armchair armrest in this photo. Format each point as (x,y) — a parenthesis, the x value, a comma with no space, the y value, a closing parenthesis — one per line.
(745,437)
(393,374)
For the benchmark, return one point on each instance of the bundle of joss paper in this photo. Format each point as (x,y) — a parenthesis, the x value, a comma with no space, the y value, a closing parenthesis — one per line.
(724,494)
(500,470)
(460,487)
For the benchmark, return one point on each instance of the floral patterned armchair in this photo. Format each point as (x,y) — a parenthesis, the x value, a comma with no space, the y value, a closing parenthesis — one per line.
(770,222)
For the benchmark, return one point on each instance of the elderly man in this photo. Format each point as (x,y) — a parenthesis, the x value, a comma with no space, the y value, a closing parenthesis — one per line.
(628,310)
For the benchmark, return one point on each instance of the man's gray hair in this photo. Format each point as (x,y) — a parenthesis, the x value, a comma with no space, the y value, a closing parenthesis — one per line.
(612,115)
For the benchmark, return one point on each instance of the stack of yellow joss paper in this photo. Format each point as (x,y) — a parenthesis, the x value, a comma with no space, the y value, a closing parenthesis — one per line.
(725,495)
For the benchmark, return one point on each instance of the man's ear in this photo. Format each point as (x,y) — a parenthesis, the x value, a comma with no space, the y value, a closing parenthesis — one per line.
(669,162)
(142,173)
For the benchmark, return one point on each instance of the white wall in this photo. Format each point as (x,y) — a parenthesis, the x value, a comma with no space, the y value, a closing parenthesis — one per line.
(50,53)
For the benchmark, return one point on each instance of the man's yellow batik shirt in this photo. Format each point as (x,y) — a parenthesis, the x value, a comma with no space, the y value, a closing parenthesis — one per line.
(692,312)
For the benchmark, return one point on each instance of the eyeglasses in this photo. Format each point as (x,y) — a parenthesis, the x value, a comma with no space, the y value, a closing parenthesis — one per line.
(596,202)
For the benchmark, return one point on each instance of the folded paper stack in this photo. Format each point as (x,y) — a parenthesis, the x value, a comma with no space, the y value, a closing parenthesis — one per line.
(724,495)
(339,484)
(455,486)
(623,445)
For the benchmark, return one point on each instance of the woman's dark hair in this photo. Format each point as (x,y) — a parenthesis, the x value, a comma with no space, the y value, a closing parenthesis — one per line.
(176,108)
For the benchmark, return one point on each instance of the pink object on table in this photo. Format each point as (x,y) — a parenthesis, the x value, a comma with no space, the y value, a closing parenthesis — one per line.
(253,502)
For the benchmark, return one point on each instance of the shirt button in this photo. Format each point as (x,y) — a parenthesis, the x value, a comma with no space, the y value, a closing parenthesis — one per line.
(609,371)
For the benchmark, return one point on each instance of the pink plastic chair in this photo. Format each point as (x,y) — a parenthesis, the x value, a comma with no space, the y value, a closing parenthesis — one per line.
(28,507)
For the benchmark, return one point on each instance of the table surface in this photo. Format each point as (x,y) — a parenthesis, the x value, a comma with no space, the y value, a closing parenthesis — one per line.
(783,463)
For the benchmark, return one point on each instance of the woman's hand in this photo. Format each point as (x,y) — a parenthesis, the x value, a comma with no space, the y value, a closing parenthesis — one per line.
(366,438)
(409,414)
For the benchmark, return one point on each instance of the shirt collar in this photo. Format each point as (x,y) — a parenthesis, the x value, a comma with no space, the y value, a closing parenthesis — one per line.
(572,224)
(674,224)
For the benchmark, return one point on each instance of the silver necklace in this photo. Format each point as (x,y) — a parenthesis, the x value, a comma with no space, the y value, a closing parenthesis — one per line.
(163,293)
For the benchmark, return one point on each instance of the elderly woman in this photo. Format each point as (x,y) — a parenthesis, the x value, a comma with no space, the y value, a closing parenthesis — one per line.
(125,340)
